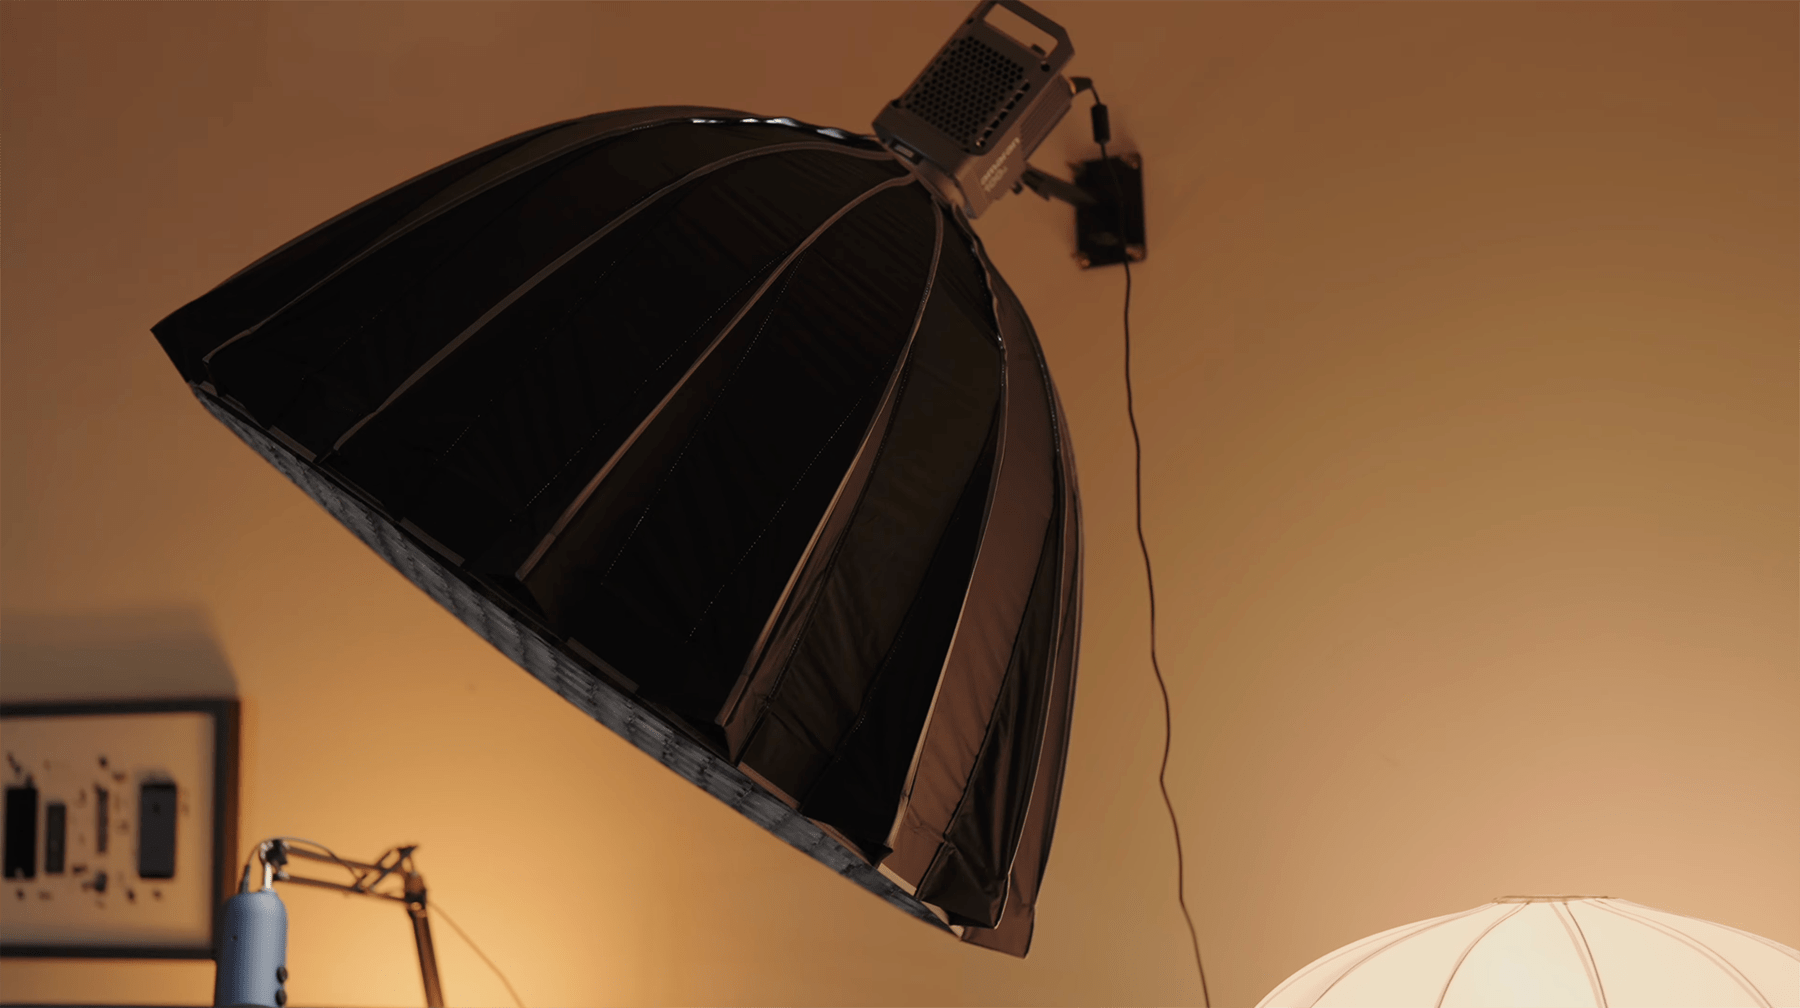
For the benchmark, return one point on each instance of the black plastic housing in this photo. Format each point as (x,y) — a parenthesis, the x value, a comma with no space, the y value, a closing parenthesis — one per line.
(1111,229)
(980,108)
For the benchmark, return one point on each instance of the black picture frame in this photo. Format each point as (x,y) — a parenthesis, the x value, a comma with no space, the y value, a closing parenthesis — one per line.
(225,715)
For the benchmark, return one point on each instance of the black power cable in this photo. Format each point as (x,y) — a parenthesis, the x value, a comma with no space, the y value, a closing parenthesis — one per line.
(438,907)
(1103,133)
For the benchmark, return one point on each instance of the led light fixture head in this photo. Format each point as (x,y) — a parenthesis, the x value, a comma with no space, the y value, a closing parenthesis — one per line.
(983,104)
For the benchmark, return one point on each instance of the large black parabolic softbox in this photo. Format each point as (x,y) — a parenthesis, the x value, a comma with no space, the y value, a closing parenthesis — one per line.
(726,430)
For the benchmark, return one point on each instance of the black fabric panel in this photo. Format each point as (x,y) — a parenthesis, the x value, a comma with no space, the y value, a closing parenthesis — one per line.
(968,878)
(1018,918)
(971,874)
(859,790)
(945,415)
(606,127)
(958,276)
(670,570)
(488,449)
(1020,510)
(195,329)
(475,442)
(326,362)
(564,209)
(553,666)
(963,279)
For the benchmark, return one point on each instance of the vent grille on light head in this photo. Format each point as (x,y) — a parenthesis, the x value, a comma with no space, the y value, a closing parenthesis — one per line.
(968,92)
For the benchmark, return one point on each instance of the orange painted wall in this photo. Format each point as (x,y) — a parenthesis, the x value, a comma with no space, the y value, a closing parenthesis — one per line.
(1467,375)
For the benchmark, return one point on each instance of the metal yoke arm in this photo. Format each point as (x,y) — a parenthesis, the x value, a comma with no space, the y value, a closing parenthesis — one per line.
(275,854)
(1047,185)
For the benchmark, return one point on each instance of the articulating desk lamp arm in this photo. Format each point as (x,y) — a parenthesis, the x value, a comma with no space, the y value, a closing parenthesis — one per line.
(252,953)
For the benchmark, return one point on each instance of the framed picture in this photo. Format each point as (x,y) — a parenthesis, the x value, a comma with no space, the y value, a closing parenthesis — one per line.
(120,827)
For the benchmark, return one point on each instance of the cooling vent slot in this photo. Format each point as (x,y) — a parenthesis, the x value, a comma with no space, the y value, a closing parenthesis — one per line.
(968,92)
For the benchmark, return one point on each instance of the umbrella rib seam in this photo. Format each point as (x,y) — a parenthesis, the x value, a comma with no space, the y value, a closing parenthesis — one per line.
(987,511)
(669,472)
(393,236)
(995,286)
(890,399)
(1057,533)
(694,630)
(1566,913)
(830,565)
(996,437)
(881,670)
(396,233)
(1777,946)
(1014,669)
(903,369)
(1439,1003)
(593,484)
(520,140)
(600,427)
(1698,945)
(1426,926)
(558,263)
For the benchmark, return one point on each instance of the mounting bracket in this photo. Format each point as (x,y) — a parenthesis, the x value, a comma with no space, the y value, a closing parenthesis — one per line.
(1048,185)
(1108,197)
(1111,228)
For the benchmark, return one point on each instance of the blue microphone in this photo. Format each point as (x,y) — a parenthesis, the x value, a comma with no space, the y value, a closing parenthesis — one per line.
(252,955)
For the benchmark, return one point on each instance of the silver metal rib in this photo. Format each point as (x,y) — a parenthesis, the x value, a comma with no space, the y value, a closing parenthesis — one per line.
(417,220)
(873,438)
(582,246)
(618,454)
(426,218)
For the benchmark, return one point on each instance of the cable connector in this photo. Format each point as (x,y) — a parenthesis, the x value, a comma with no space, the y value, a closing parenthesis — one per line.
(1097,115)
(1102,126)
